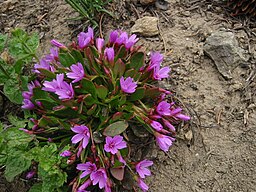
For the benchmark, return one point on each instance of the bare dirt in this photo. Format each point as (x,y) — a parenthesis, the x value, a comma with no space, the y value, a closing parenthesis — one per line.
(217,150)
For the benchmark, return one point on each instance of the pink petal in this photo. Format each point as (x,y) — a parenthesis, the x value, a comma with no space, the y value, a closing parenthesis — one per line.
(77,129)
(85,142)
(77,138)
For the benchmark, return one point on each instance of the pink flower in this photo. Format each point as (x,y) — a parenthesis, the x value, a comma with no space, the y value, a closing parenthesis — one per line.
(77,72)
(141,168)
(113,36)
(83,134)
(52,86)
(182,117)
(122,38)
(80,149)
(66,91)
(163,108)
(27,104)
(43,64)
(119,37)
(163,141)
(30,174)
(156,59)
(85,185)
(100,177)
(131,41)
(53,56)
(99,44)
(59,87)
(128,85)
(28,94)
(66,153)
(113,144)
(159,74)
(156,125)
(107,188)
(120,158)
(142,185)
(87,168)
(85,38)
(58,44)
(109,54)
(175,111)
(169,125)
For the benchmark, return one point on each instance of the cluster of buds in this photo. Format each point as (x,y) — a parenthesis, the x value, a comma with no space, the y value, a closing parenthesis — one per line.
(88,94)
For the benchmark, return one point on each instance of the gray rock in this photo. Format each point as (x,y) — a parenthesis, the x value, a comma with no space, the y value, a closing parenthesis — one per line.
(223,49)
(146,26)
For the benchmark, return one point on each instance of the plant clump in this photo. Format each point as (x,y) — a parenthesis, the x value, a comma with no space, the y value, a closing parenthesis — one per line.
(82,102)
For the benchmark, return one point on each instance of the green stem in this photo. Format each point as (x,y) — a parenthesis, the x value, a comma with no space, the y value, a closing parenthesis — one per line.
(42,138)
(99,152)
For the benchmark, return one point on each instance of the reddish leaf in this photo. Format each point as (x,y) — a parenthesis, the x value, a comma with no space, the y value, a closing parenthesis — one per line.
(115,128)
(118,173)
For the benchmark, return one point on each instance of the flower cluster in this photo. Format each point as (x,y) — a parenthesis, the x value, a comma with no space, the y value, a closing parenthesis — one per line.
(85,97)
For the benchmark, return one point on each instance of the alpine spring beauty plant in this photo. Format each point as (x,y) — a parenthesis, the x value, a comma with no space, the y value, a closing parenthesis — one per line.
(83,100)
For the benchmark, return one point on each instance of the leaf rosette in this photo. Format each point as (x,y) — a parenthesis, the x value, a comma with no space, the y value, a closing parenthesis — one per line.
(86,96)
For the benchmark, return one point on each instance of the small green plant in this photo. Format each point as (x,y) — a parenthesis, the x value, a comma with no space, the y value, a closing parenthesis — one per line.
(84,101)
(89,9)
(16,52)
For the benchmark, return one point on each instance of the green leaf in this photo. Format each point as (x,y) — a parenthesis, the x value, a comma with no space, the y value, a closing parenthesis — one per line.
(47,73)
(3,39)
(52,180)
(115,128)
(5,71)
(122,100)
(66,59)
(88,87)
(122,53)
(48,121)
(44,98)
(119,68)
(89,100)
(12,91)
(22,46)
(152,92)
(17,122)
(20,63)
(38,93)
(24,82)
(65,112)
(92,110)
(36,188)
(1,126)
(77,56)
(16,163)
(48,168)
(101,91)
(46,103)
(137,60)
(138,94)
(16,138)
(33,42)
(130,73)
